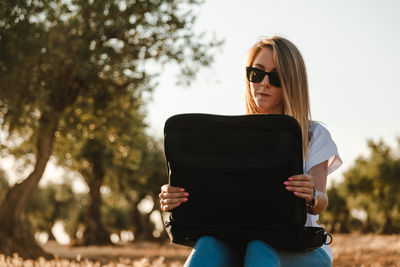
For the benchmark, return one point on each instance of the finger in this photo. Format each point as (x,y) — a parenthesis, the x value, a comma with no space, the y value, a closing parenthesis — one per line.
(300,177)
(309,184)
(307,197)
(305,190)
(173,195)
(171,189)
(170,206)
(173,200)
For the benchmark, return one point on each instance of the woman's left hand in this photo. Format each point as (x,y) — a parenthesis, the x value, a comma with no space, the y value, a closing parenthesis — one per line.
(302,186)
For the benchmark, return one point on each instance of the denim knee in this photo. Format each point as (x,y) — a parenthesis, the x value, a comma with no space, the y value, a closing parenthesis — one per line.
(207,241)
(255,244)
(212,252)
(258,253)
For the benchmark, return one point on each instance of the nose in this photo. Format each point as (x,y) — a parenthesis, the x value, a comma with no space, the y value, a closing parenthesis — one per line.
(265,81)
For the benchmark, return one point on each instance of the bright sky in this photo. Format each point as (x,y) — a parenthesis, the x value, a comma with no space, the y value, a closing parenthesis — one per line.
(351,50)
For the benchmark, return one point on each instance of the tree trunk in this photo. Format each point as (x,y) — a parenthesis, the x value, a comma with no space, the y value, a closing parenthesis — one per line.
(51,236)
(144,227)
(15,234)
(388,226)
(367,227)
(344,227)
(95,232)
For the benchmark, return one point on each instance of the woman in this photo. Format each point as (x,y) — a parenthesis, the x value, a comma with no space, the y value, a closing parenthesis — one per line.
(276,84)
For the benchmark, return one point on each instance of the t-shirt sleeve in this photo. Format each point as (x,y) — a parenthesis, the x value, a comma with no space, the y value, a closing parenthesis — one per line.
(322,148)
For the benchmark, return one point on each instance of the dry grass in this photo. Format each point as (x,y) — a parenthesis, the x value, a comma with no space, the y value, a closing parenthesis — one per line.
(349,250)
(366,250)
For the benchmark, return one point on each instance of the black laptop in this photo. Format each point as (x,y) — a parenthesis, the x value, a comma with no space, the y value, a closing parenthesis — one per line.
(233,168)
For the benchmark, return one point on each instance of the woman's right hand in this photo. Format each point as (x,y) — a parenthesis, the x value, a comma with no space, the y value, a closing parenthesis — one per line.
(171,197)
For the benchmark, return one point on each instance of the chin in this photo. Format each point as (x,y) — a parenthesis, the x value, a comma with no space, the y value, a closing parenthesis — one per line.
(262,110)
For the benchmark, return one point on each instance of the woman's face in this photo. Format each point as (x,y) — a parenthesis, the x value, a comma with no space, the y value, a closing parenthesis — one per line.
(266,96)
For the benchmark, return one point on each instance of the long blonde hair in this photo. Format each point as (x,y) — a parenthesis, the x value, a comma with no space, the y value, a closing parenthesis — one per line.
(292,72)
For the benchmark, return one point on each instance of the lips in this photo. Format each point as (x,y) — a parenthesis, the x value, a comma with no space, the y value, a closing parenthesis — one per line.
(264,94)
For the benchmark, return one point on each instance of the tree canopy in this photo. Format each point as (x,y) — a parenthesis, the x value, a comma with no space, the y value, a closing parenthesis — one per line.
(65,63)
(370,187)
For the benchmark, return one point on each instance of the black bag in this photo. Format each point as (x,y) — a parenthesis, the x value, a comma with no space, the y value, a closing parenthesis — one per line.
(233,168)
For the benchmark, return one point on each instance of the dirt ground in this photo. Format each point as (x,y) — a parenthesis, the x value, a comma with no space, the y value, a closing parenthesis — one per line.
(366,250)
(349,250)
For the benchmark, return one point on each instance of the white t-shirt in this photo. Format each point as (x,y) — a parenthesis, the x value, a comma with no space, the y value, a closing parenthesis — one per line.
(320,149)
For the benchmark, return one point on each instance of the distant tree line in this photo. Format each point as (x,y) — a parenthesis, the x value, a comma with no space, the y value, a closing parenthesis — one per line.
(367,200)
(55,202)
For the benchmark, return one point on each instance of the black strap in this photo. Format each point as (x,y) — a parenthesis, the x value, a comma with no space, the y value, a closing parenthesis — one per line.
(330,239)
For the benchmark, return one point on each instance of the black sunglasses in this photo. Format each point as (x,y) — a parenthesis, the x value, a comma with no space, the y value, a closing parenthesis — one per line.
(255,75)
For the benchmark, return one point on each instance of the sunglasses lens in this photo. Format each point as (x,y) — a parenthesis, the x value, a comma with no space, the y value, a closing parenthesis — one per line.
(255,75)
(274,79)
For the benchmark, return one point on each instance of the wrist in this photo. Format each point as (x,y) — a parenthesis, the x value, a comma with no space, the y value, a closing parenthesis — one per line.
(314,200)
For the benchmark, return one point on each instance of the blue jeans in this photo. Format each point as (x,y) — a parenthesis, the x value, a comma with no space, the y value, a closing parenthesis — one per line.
(211,252)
